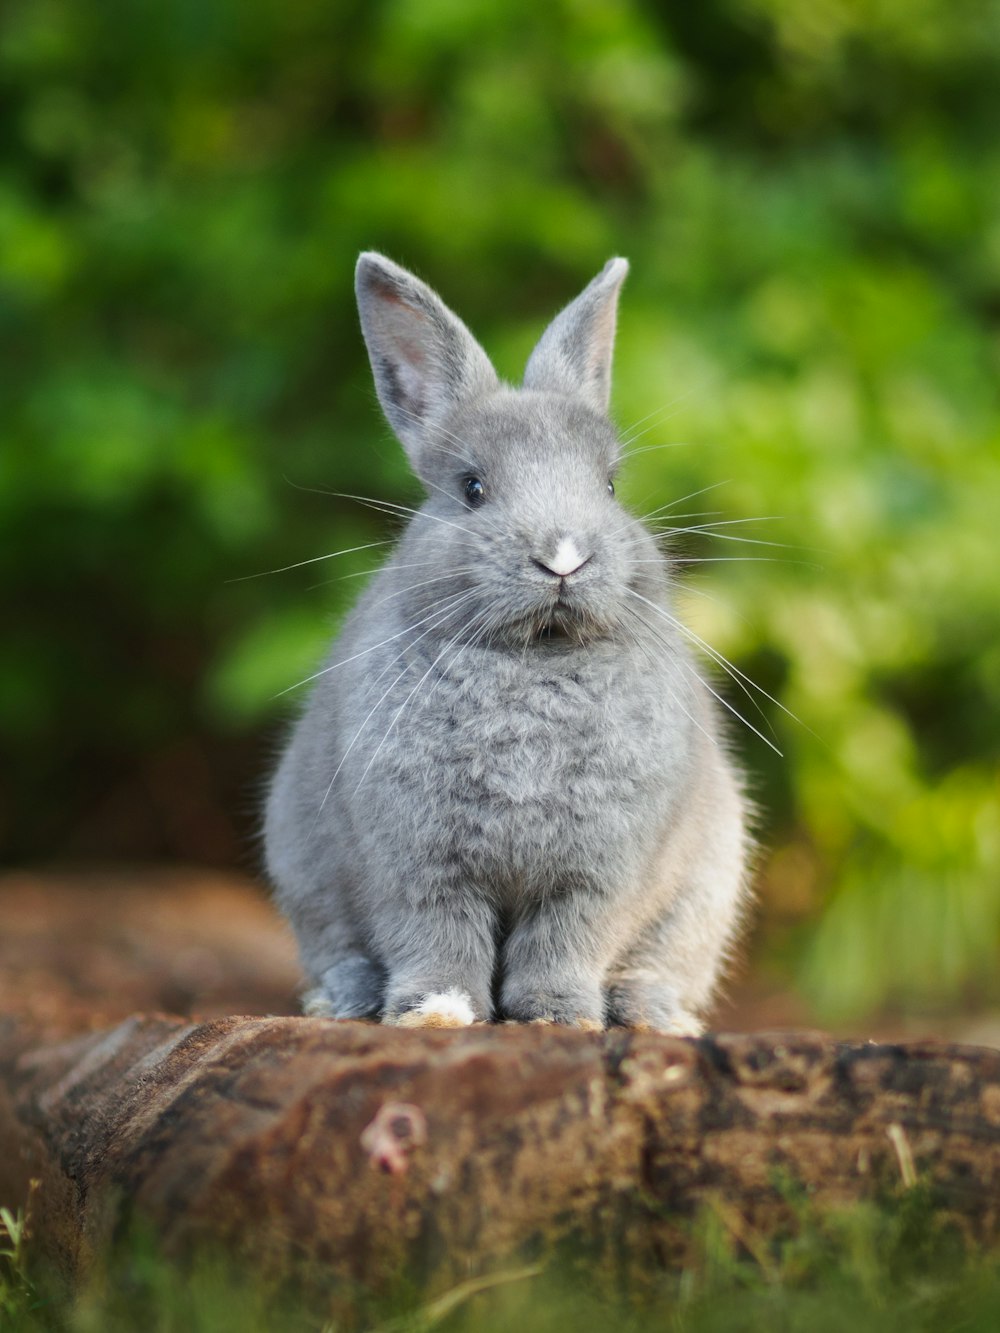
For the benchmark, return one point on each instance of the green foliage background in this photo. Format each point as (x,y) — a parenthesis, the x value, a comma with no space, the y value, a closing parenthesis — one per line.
(810,197)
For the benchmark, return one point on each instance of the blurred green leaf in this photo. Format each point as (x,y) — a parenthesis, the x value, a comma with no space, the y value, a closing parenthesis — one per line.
(810,196)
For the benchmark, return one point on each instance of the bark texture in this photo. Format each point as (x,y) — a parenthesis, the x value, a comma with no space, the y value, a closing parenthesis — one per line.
(375,1150)
(361,1151)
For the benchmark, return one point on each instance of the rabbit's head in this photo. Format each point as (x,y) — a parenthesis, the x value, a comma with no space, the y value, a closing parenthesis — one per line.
(521,509)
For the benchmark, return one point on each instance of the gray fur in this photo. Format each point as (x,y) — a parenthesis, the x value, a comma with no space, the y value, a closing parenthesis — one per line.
(509,785)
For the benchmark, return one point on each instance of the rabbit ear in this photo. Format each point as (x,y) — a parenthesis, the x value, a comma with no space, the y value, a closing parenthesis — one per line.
(574,354)
(423,357)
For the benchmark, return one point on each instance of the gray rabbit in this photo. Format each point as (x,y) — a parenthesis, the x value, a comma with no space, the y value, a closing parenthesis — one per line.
(508,796)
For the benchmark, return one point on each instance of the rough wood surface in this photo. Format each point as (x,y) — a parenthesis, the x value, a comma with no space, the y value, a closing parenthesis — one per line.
(368,1150)
(372,1150)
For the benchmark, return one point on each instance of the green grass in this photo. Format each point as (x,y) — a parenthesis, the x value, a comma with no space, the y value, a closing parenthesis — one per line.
(892,1265)
(16,1291)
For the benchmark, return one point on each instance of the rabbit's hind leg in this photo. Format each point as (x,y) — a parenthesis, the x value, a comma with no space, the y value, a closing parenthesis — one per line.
(667,980)
(648,1005)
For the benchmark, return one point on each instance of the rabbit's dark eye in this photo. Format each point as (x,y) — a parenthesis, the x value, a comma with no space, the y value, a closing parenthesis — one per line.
(611,487)
(475,491)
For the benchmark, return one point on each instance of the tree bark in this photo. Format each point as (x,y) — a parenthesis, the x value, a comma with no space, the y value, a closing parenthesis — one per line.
(368,1151)
(365,1152)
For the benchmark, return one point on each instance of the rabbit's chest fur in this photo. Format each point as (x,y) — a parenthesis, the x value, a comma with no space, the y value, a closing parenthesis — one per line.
(528,768)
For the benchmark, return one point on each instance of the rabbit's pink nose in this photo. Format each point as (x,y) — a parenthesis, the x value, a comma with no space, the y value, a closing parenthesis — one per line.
(565,560)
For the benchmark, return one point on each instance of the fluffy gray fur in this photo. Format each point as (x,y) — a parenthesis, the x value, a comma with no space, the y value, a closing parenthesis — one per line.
(508,795)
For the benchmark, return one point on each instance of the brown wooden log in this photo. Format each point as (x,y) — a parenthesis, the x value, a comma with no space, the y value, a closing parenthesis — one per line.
(368,1150)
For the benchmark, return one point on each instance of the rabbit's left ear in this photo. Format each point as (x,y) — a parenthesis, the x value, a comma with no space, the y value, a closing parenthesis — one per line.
(574,354)
(423,357)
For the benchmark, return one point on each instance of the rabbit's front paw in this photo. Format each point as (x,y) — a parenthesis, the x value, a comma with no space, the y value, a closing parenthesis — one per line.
(436,1009)
(576,1005)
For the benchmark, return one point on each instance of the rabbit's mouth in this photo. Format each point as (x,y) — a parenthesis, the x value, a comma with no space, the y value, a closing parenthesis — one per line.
(565,623)
(555,629)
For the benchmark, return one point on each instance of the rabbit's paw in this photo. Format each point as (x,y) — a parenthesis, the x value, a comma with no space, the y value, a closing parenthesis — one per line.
(682,1024)
(351,988)
(579,1007)
(441,1009)
(316,1003)
(650,1008)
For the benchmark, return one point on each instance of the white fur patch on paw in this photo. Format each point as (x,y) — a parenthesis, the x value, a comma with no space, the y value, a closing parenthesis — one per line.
(316,1005)
(445,1009)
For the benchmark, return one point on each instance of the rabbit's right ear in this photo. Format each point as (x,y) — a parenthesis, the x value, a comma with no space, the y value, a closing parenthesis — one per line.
(574,354)
(423,357)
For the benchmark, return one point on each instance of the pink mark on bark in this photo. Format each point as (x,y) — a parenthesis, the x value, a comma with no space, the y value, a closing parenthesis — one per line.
(398,1128)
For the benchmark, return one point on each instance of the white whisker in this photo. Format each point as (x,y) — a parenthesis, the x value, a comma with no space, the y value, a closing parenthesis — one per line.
(649,657)
(353,658)
(382,506)
(664,413)
(400,592)
(380,700)
(739,560)
(331,555)
(724,537)
(402,708)
(715,694)
(440,430)
(673,503)
(737,675)
(650,448)
(368,573)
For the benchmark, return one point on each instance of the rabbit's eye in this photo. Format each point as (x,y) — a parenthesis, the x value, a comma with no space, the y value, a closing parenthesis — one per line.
(611,487)
(475,491)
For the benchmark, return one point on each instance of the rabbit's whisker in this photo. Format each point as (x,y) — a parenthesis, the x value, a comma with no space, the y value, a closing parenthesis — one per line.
(390,507)
(402,707)
(437,429)
(722,536)
(640,643)
(626,430)
(455,498)
(699,513)
(715,694)
(479,632)
(383,506)
(673,503)
(408,645)
(344,660)
(401,592)
(740,560)
(457,602)
(672,559)
(691,495)
(650,448)
(383,697)
(663,413)
(331,555)
(727,522)
(722,661)
(366,573)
